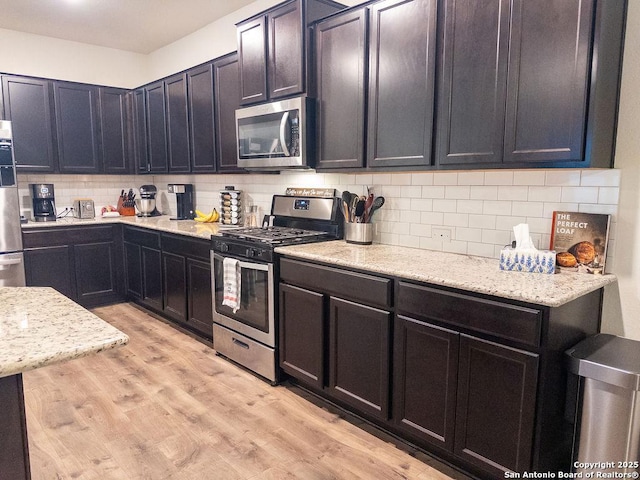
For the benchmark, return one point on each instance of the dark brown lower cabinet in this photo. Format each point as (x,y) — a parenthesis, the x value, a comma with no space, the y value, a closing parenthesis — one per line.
(425,377)
(496,406)
(83,263)
(14,450)
(478,381)
(171,275)
(359,354)
(302,315)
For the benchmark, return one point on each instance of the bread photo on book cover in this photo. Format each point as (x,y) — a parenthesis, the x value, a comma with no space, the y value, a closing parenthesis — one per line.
(580,241)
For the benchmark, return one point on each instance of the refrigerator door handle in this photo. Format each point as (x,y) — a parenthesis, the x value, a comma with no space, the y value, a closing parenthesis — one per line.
(8,263)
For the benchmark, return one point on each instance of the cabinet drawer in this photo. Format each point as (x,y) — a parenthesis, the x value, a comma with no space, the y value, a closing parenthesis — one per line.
(143,237)
(53,236)
(502,320)
(189,247)
(341,283)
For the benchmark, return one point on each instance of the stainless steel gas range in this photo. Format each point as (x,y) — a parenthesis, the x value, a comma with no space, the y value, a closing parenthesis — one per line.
(245,277)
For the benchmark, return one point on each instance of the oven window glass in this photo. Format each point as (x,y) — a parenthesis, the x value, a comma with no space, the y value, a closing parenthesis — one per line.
(254,295)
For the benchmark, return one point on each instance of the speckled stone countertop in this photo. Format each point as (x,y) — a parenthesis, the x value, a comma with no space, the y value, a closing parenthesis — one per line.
(161,223)
(39,327)
(474,274)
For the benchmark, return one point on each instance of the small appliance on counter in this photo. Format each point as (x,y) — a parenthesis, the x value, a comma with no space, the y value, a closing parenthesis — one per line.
(148,201)
(84,208)
(44,202)
(184,200)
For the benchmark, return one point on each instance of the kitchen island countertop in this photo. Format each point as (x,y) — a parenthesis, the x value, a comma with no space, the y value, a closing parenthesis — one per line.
(39,327)
(162,223)
(465,272)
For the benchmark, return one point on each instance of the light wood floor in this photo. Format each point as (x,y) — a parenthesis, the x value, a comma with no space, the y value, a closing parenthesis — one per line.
(165,407)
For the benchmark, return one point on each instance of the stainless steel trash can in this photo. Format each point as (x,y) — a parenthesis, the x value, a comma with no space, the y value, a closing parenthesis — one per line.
(608,439)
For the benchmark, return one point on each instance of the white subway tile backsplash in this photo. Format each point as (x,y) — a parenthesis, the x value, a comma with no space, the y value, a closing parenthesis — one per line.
(491,207)
(457,192)
(544,194)
(562,178)
(580,194)
(508,192)
(479,207)
(444,205)
(529,177)
(435,191)
(499,177)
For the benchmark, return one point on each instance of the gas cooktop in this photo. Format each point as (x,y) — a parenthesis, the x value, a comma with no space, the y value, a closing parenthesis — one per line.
(275,235)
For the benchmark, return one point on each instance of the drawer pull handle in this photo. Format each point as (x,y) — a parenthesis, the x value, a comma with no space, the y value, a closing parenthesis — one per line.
(239,343)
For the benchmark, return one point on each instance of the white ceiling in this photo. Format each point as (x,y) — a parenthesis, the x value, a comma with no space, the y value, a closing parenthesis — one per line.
(140,26)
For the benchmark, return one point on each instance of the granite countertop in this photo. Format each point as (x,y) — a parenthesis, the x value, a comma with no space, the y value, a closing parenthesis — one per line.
(161,223)
(39,327)
(474,274)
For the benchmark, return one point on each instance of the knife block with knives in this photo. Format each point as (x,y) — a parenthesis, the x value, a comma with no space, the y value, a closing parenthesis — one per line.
(126,203)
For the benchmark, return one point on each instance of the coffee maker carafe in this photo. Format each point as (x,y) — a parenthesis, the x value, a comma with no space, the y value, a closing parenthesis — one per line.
(44,204)
(184,200)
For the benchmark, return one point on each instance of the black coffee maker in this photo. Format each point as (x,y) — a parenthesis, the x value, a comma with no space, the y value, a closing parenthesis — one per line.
(44,202)
(184,200)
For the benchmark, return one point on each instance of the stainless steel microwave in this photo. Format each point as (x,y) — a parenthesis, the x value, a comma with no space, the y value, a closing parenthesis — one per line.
(276,135)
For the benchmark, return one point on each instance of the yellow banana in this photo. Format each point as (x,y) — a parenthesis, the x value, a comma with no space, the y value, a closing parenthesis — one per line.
(201,214)
(215,215)
(204,219)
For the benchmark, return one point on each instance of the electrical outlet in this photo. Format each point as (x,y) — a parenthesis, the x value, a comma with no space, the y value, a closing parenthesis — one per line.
(443,234)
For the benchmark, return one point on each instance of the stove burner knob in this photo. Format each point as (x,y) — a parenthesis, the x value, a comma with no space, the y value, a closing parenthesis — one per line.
(224,247)
(253,252)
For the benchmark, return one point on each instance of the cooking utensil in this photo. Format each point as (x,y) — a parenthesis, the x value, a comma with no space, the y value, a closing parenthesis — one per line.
(367,207)
(377,203)
(359,211)
(346,205)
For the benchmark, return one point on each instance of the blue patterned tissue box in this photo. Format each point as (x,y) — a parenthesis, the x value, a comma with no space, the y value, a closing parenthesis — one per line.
(532,261)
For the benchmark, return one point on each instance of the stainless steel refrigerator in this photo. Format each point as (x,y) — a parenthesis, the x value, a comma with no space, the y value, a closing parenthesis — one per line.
(11,256)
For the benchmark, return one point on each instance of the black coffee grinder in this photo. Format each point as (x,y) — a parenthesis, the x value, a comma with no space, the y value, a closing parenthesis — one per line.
(44,202)
(184,200)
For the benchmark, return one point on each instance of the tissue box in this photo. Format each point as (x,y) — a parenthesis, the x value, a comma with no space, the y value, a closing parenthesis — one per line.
(532,261)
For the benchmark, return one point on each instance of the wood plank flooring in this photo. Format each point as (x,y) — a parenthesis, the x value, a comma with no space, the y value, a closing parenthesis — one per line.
(165,407)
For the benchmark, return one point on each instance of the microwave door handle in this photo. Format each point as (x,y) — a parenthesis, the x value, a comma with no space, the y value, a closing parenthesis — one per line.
(283,126)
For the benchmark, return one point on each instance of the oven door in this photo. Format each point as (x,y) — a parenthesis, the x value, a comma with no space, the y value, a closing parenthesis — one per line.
(255,318)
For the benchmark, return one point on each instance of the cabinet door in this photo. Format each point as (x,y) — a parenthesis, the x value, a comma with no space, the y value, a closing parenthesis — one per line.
(302,315)
(472,88)
(252,60)
(113,130)
(359,356)
(425,359)
(95,273)
(201,119)
(174,274)
(51,267)
(402,56)
(76,110)
(200,305)
(151,262)
(549,64)
(286,51)
(141,149)
(177,123)
(340,75)
(496,406)
(227,94)
(14,444)
(28,103)
(157,128)
(133,269)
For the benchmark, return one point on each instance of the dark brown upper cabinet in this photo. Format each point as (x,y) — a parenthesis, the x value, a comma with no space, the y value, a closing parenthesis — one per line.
(114,144)
(521,86)
(272,54)
(178,147)
(157,160)
(76,111)
(375,73)
(28,103)
(139,129)
(201,109)
(227,95)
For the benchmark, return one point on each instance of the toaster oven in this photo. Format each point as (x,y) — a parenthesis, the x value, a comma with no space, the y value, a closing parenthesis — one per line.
(83,208)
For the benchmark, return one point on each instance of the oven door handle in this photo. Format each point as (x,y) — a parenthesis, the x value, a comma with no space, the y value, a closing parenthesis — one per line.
(248,265)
